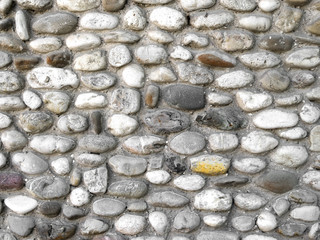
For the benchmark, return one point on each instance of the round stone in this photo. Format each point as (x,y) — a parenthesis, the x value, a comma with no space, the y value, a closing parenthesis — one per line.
(290,156)
(259,142)
(151,54)
(135,19)
(31,100)
(266,221)
(29,163)
(119,56)
(108,207)
(214,220)
(90,62)
(50,209)
(79,197)
(35,122)
(243,223)
(72,123)
(56,102)
(269,5)
(129,224)
(61,166)
(113,5)
(223,142)
(133,75)
(10,82)
(309,113)
(121,124)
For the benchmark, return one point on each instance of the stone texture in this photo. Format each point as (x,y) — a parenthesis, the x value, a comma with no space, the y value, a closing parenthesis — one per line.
(128,189)
(168,18)
(231,41)
(216,58)
(97,144)
(227,80)
(289,19)
(167,199)
(260,60)
(212,200)
(129,166)
(108,207)
(274,118)
(187,143)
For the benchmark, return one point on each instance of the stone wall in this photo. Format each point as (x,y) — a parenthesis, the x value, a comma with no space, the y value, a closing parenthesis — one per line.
(159,119)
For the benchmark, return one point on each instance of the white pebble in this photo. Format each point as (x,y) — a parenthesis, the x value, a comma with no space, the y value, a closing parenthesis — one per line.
(159,221)
(61,166)
(266,221)
(31,99)
(121,124)
(158,177)
(133,75)
(119,56)
(79,197)
(21,204)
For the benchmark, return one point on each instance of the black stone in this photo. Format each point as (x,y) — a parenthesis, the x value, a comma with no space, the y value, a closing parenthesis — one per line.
(223,119)
(292,229)
(6,24)
(231,181)
(166,121)
(57,230)
(50,209)
(59,59)
(95,119)
(175,164)
(72,213)
(184,97)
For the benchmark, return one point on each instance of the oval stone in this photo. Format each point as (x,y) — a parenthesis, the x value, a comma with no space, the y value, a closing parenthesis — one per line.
(275,118)
(10,82)
(167,199)
(249,201)
(304,58)
(48,144)
(210,164)
(82,41)
(144,145)
(14,203)
(190,182)
(29,163)
(98,21)
(256,23)
(259,142)
(213,200)
(90,160)
(249,165)
(214,58)
(290,156)
(231,41)
(108,207)
(72,123)
(276,43)
(151,54)
(78,5)
(35,122)
(45,44)
(130,224)
(250,102)
(10,43)
(260,60)
(242,6)
(97,143)
(168,18)
(128,189)
(128,166)
(10,181)
(188,143)
(35,5)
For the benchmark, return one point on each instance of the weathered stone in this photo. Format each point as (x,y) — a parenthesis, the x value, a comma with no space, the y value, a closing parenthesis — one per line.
(82,41)
(217,99)
(181,53)
(98,81)
(289,101)
(48,187)
(192,5)
(295,133)
(312,178)
(190,182)
(231,41)
(13,140)
(249,201)
(250,102)
(278,181)
(128,189)
(152,95)
(195,40)
(72,123)
(22,25)
(121,124)
(11,181)
(289,19)
(78,5)
(50,209)
(186,221)
(90,160)
(175,164)
(266,221)
(214,58)
(55,230)
(125,100)
(12,44)
(168,18)
(256,23)
(158,177)
(260,60)
(135,19)
(35,122)
(96,122)
(90,62)
(184,97)
(275,118)
(55,23)
(259,142)
(120,37)
(14,203)
(59,59)
(306,213)
(231,181)
(108,207)
(130,224)
(98,21)
(133,75)
(292,229)
(160,37)
(144,145)
(113,5)
(309,113)
(187,143)
(313,94)
(26,62)
(61,166)
(210,164)
(45,44)
(274,80)
(194,74)
(72,213)
(137,206)
(35,5)
(8,103)
(10,82)
(97,143)
(314,27)
(276,43)
(96,180)
(314,139)
(223,119)
(222,142)
(268,6)
(213,200)
(217,235)
(151,54)
(75,177)
(29,163)
(167,199)
(159,221)
(214,220)
(211,20)
(93,226)
(128,166)
(227,80)
(21,226)
(243,6)
(56,102)
(90,100)
(119,56)
(48,144)
(243,223)
(302,79)
(304,58)
(281,206)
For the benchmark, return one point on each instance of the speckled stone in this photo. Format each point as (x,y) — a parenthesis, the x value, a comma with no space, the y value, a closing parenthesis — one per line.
(128,189)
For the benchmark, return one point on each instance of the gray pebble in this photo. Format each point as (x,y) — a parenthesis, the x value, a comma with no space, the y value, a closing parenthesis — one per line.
(96,180)
(167,199)
(35,122)
(72,123)
(29,163)
(21,226)
(108,207)
(97,143)
(93,226)
(128,189)
(194,74)
(188,143)
(90,160)
(5,59)
(10,82)
(72,213)
(128,166)
(186,221)
(243,223)
(125,100)
(13,140)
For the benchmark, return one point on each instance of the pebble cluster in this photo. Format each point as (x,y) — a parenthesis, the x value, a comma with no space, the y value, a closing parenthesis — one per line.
(159,119)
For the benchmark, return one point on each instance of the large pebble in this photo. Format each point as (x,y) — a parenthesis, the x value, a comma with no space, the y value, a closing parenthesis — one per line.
(72,123)
(250,102)
(214,220)
(13,140)
(181,53)
(256,23)
(108,207)
(128,189)
(90,62)
(215,58)
(249,201)
(266,221)
(82,41)
(10,82)
(21,226)
(89,160)
(97,143)
(274,80)
(292,229)
(160,37)
(227,80)
(29,163)
(79,197)
(56,102)
(61,166)
(31,99)
(98,21)
(313,27)
(276,42)
(275,118)
(96,180)
(268,6)
(151,54)
(55,229)
(78,5)
(128,166)
(133,75)
(222,142)
(210,164)
(259,142)
(10,43)
(125,100)
(295,133)
(22,25)
(119,56)
(90,100)
(281,206)
(48,144)
(278,181)
(129,224)
(93,226)
(306,213)
(135,19)
(289,19)
(159,221)
(314,139)
(158,177)
(309,113)
(167,199)
(213,200)
(189,182)
(188,143)
(312,178)
(8,103)
(304,58)
(168,18)
(11,181)
(186,221)
(260,60)
(211,20)
(121,124)
(45,44)
(243,223)
(35,122)
(14,203)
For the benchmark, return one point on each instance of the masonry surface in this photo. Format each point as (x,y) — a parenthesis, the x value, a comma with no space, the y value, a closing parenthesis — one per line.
(159,119)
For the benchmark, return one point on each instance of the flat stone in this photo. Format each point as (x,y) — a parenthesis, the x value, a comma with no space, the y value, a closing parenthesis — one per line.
(98,81)
(227,80)
(72,123)
(90,100)
(50,208)
(133,76)
(275,118)
(194,74)
(151,54)
(211,19)
(78,197)
(304,58)
(243,223)
(55,229)
(168,18)
(259,142)
(93,226)
(5,59)
(189,182)
(56,102)
(49,144)
(306,213)
(295,133)
(217,235)
(281,206)
(96,180)
(128,189)
(55,23)
(195,40)
(289,19)
(223,119)
(249,165)
(8,103)
(260,60)
(231,41)
(292,229)
(78,5)
(48,187)
(45,44)
(167,199)
(113,5)
(35,122)
(311,178)
(97,143)
(243,6)
(120,37)
(90,160)
(10,82)
(309,113)
(266,221)
(144,145)
(10,181)
(10,43)
(314,27)
(302,79)
(128,166)
(278,181)
(26,62)
(214,220)
(187,143)
(223,142)
(29,163)
(152,95)
(135,19)
(250,102)
(231,181)
(98,21)
(249,201)
(14,203)
(181,53)
(108,207)
(158,177)
(213,200)
(82,41)
(160,37)
(21,226)
(269,6)
(255,23)
(61,166)
(34,5)
(186,221)
(53,78)
(214,58)
(90,62)
(130,224)
(184,97)
(289,101)
(13,140)
(276,43)
(121,124)
(159,221)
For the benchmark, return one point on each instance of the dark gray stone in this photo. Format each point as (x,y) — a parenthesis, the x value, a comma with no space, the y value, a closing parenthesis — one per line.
(21,226)
(276,43)
(184,97)
(274,80)
(167,199)
(128,189)
(230,181)
(35,122)
(72,213)
(186,221)
(166,121)
(56,230)
(6,24)
(223,119)
(97,143)
(175,164)
(95,119)
(50,209)
(278,181)
(292,229)
(55,23)
(302,196)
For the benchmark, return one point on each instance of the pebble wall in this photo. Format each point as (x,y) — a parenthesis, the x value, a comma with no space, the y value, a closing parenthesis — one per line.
(159,119)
